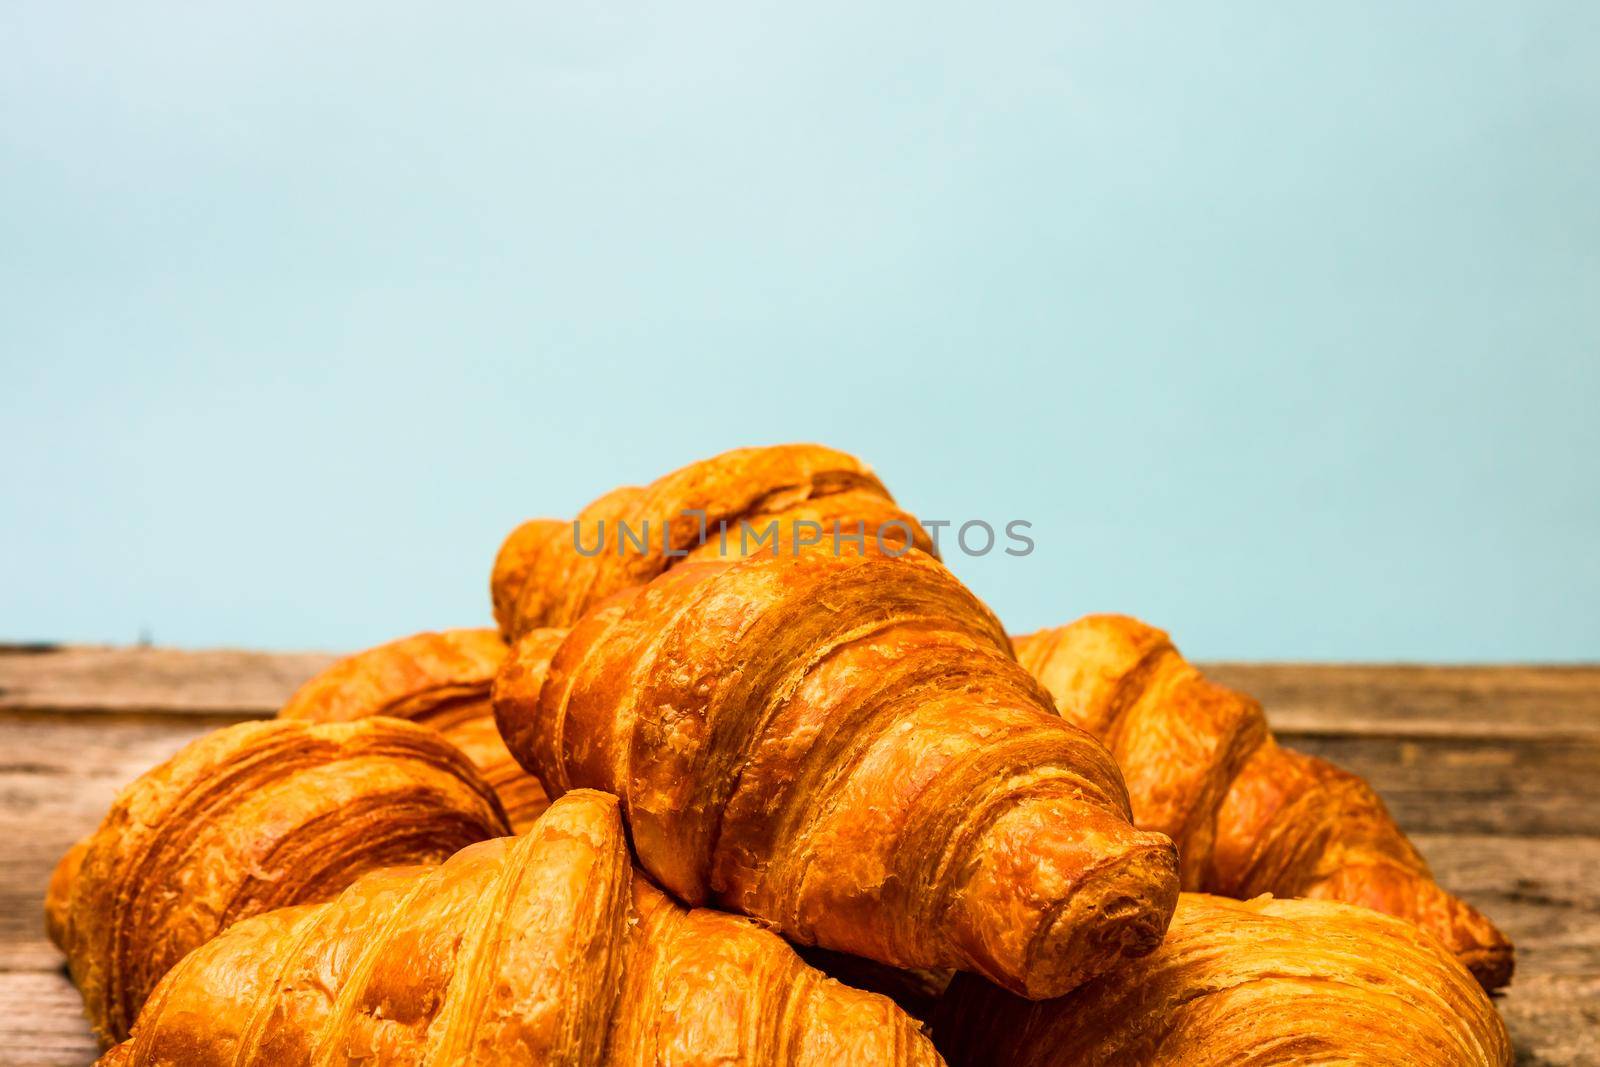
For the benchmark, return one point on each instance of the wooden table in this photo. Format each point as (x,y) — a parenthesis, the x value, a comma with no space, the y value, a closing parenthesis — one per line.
(1495,771)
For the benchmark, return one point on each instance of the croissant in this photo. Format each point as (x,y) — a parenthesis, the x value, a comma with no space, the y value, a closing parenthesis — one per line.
(1248,816)
(539,949)
(844,748)
(549,573)
(244,820)
(1246,983)
(441,680)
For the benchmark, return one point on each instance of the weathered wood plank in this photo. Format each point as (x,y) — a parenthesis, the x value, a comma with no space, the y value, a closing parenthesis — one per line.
(1438,784)
(1343,700)
(41,1022)
(1419,701)
(1543,893)
(169,681)
(1554,1021)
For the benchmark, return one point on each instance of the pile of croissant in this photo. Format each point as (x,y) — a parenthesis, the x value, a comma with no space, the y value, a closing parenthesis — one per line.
(807,805)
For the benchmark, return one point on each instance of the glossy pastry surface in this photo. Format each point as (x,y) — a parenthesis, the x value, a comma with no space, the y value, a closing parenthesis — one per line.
(844,748)
(245,820)
(635,533)
(440,680)
(542,949)
(1260,982)
(1248,815)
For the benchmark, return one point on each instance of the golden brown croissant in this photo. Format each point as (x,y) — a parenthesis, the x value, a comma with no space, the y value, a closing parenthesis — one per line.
(58,895)
(440,680)
(1248,816)
(247,819)
(514,562)
(540,949)
(844,748)
(1246,984)
(541,578)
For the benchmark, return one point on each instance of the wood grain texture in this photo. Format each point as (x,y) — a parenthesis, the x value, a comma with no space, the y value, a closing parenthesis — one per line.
(221,682)
(1494,771)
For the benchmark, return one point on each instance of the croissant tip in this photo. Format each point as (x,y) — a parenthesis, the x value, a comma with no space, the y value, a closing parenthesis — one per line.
(1492,966)
(1132,900)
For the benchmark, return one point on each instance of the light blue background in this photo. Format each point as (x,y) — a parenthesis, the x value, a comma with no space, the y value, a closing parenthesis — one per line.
(1280,321)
